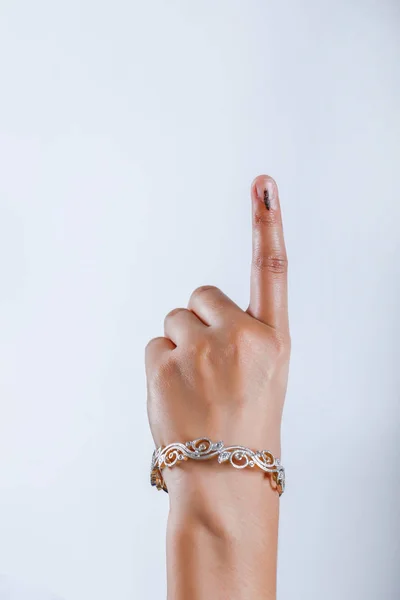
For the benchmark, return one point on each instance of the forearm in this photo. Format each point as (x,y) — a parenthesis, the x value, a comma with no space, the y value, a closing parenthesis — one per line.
(222,537)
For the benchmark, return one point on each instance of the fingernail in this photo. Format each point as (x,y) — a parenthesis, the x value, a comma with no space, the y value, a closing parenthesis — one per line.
(267,192)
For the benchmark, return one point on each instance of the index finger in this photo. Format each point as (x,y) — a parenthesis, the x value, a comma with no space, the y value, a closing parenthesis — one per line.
(268,289)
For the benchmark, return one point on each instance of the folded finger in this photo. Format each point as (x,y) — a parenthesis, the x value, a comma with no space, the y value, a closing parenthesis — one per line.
(181,325)
(212,306)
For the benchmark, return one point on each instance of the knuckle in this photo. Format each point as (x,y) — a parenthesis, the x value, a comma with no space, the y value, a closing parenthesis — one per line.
(275,263)
(200,351)
(199,344)
(247,339)
(203,349)
(204,290)
(173,312)
(237,341)
(281,343)
(153,343)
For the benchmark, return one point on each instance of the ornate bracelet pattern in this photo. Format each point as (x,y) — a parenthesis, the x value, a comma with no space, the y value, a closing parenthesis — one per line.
(239,457)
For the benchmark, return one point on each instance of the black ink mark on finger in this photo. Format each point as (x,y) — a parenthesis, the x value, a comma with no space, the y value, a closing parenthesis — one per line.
(267,200)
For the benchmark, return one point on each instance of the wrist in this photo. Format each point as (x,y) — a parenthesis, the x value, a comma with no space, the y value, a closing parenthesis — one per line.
(226,501)
(227,525)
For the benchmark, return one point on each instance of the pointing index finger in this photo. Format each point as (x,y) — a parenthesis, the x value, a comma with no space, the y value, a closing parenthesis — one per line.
(268,289)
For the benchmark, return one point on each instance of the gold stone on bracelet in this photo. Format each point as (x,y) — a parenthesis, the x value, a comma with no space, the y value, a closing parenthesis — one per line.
(239,457)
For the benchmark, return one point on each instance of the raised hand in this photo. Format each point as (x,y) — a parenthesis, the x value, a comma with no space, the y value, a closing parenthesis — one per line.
(221,372)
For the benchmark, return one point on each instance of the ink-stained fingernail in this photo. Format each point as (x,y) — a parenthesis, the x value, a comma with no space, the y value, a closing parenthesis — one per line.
(266,191)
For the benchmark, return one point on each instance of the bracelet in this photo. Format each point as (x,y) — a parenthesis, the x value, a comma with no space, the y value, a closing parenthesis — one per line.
(239,457)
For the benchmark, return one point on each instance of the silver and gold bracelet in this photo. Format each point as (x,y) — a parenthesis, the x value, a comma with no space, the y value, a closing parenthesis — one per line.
(239,457)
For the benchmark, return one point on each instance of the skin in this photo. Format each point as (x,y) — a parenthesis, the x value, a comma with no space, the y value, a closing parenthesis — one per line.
(221,372)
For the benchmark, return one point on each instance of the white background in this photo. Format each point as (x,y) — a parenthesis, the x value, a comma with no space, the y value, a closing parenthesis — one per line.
(129,135)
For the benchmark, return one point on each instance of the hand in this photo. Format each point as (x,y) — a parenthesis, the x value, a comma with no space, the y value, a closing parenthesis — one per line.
(221,372)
